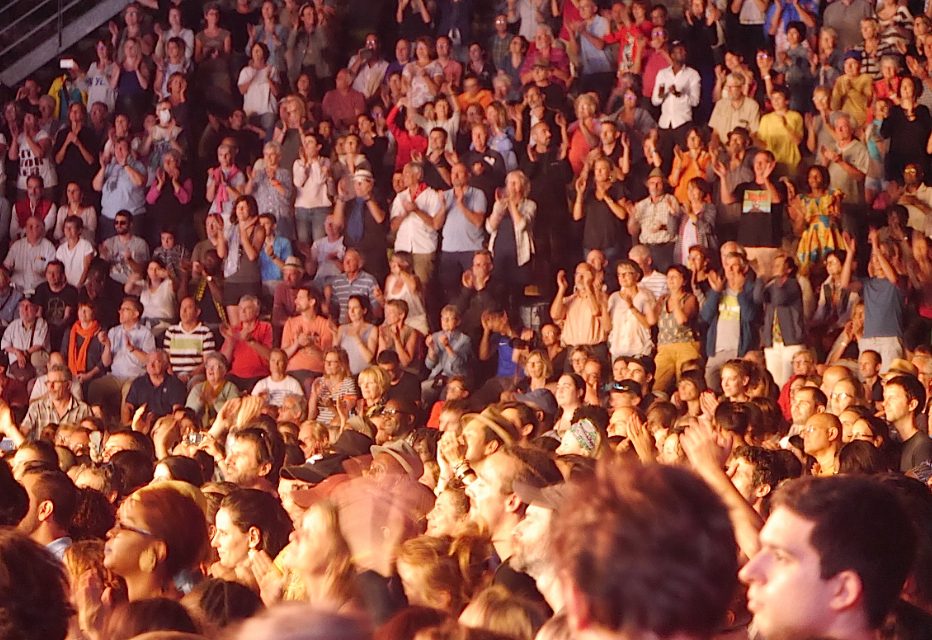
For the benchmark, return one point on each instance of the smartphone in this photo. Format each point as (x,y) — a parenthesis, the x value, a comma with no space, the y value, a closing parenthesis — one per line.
(66,63)
(7,445)
(196,438)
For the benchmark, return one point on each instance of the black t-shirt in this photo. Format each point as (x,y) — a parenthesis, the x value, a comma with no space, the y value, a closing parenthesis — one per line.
(602,229)
(916,449)
(55,310)
(408,389)
(159,401)
(74,167)
(761,220)
(236,23)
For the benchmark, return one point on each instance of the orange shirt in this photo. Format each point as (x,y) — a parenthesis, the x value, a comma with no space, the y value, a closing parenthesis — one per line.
(321,336)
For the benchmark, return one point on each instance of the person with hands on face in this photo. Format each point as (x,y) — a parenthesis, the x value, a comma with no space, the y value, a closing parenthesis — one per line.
(733,316)
(762,200)
(121,181)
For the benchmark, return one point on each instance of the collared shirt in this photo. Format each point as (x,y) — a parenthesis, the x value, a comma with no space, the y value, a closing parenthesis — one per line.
(42,412)
(159,400)
(459,234)
(369,77)
(676,111)
(127,364)
(725,117)
(445,364)
(594,60)
(658,220)
(58,547)
(281,247)
(27,263)
(364,284)
(414,235)
(23,338)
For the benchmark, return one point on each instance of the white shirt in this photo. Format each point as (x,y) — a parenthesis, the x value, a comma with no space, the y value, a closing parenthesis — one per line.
(17,335)
(278,390)
(73,259)
(369,77)
(628,336)
(676,111)
(258,99)
(27,263)
(414,235)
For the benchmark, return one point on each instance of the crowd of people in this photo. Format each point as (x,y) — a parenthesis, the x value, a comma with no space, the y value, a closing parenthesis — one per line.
(496,320)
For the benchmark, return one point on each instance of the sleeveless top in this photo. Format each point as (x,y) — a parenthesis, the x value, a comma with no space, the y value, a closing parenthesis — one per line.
(248,270)
(356,361)
(417,315)
(669,331)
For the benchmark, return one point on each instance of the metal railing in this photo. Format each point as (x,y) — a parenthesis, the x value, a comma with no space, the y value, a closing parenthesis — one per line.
(35,31)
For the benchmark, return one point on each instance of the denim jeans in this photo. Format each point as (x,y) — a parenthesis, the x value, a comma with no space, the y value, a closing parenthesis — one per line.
(310,223)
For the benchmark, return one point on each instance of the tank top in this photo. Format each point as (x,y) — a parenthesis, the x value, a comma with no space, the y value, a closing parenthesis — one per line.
(417,315)
(669,331)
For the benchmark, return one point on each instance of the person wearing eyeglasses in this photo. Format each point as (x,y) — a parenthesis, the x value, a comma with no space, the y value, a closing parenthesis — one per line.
(159,532)
(822,441)
(126,252)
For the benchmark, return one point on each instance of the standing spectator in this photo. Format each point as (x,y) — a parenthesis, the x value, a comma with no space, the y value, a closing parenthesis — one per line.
(676,92)
(783,335)
(75,206)
(633,313)
(31,149)
(417,215)
(511,237)
(76,149)
(368,68)
(75,253)
(121,182)
(225,183)
(258,84)
(362,218)
(734,109)
(343,104)
(654,221)
(353,281)
(732,314)
(463,228)
(314,190)
(275,252)
(587,40)
(240,254)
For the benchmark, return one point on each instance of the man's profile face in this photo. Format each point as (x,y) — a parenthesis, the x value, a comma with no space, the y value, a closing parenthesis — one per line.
(786,593)
(531,539)
(486,500)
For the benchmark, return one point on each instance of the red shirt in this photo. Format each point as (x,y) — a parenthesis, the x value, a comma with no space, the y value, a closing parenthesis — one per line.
(407,144)
(246,362)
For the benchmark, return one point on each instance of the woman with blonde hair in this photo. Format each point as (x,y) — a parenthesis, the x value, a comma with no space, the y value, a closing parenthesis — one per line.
(322,557)
(511,231)
(497,609)
(539,369)
(500,135)
(374,384)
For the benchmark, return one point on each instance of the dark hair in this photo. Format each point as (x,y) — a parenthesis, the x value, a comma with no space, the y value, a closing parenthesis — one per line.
(249,200)
(917,500)
(43,452)
(265,52)
(131,619)
(799,26)
(184,469)
(55,487)
(14,502)
(732,417)
(136,470)
(407,622)
(269,446)
(859,525)
(861,457)
(223,602)
(766,471)
(94,515)
(913,389)
(34,601)
(617,552)
(253,508)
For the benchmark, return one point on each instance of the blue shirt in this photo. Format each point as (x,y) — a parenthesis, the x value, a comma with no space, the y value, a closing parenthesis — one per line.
(58,547)
(127,364)
(883,309)
(459,234)
(120,192)
(506,366)
(281,247)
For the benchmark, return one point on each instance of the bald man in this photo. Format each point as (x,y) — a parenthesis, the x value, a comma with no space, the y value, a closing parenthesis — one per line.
(822,440)
(831,376)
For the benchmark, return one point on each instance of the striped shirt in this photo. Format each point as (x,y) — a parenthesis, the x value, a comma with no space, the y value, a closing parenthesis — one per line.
(186,349)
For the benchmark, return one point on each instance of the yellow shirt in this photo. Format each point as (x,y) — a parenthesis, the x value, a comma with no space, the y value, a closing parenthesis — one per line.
(777,133)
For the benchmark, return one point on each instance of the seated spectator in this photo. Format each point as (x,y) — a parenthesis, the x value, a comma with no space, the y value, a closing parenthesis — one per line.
(32,205)
(278,384)
(207,398)
(246,346)
(28,257)
(26,343)
(188,342)
(306,336)
(157,390)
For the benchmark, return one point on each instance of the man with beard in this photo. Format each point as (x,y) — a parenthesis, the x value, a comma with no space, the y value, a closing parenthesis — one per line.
(249,461)
(52,502)
(497,509)
(533,550)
